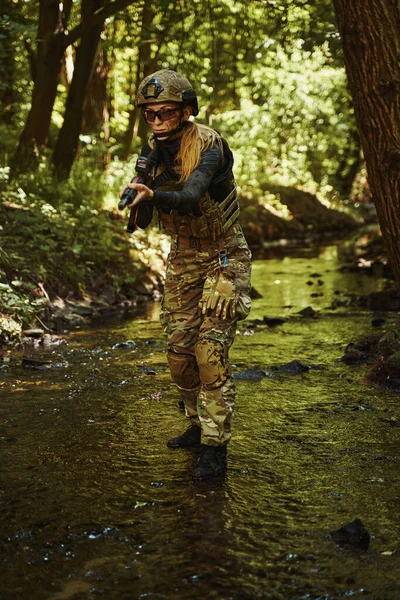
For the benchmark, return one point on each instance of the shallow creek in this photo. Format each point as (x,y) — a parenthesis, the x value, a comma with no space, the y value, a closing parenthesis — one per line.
(94,505)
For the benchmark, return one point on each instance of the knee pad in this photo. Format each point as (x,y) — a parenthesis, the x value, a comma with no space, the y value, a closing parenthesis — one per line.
(212,363)
(184,370)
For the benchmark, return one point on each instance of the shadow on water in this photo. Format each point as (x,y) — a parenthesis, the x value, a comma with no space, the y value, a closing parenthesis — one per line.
(93,504)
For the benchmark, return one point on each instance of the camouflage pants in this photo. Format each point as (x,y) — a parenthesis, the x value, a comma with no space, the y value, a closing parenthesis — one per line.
(198,344)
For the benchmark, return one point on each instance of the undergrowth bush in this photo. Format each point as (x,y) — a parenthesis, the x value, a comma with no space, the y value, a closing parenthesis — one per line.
(57,240)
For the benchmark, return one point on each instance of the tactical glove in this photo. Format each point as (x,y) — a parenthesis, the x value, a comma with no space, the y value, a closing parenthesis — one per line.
(220,299)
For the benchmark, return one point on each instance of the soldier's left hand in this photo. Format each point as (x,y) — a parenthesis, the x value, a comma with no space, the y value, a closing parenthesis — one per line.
(221,299)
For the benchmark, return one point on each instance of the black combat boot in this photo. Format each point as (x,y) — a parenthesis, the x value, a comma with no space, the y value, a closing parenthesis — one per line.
(212,462)
(189,439)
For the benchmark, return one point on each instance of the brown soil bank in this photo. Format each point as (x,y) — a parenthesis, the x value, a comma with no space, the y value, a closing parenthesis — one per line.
(307,216)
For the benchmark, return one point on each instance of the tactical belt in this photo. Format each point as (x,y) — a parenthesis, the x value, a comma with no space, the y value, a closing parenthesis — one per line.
(199,243)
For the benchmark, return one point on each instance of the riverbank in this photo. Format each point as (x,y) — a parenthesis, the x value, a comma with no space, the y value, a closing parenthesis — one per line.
(63,267)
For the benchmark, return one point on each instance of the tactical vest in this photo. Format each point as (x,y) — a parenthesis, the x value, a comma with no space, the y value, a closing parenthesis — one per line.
(214,213)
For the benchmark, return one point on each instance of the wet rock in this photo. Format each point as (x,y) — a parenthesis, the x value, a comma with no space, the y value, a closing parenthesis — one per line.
(366,350)
(50,339)
(308,312)
(391,422)
(245,332)
(41,364)
(353,356)
(386,458)
(254,294)
(386,300)
(28,361)
(353,534)
(33,333)
(147,370)
(294,366)
(155,343)
(251,374)
(84,309)
(124,345)
(273,321)
(378,321)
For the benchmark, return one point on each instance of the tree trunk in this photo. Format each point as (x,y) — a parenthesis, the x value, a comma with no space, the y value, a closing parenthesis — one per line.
(370,33)
(67,145)
(50,51)
(96,96)
(96,111)
(7,65)
(144,67)
(52,43)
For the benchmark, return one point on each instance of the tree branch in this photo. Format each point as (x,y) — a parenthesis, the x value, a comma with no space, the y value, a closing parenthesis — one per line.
(97,18)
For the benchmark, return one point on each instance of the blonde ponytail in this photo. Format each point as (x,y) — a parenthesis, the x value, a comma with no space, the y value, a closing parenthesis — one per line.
(196,139)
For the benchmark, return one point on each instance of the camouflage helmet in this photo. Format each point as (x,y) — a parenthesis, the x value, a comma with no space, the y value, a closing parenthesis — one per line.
(167,86)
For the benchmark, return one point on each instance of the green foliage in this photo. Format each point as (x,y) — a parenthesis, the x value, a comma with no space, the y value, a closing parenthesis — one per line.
(296,124)
(56,244)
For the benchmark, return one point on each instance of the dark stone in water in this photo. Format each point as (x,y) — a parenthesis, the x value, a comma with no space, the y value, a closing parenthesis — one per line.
(254,294)
(353,534)
(127,344)
(269,321)
(147,371)
(252,374)
(378,321)
(392,423)
(308,312)
(33,333)
(273,321)
(294,366)
(154,343)
(40,364)
(353,356)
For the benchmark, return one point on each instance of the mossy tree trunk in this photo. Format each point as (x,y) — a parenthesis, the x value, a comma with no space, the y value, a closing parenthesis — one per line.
(370,33)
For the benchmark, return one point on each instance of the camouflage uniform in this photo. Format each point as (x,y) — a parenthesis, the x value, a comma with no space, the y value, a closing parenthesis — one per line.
(199,344)
(208,247)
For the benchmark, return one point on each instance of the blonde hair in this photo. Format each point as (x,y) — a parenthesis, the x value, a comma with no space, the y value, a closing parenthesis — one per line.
(196,139)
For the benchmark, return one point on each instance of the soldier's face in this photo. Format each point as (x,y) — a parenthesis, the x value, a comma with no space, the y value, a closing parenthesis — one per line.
(163,117)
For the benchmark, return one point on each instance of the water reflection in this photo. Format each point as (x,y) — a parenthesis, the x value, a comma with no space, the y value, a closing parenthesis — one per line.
(93,503)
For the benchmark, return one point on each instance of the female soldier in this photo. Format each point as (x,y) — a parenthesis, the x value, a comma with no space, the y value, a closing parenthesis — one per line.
(191,185)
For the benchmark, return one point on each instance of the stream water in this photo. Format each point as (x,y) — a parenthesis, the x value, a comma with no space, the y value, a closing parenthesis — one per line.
(94,505)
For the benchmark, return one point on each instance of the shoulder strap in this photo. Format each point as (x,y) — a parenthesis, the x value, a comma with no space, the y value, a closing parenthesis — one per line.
(166,175)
